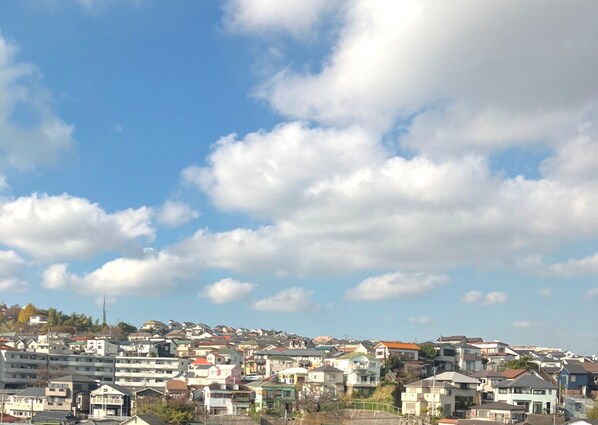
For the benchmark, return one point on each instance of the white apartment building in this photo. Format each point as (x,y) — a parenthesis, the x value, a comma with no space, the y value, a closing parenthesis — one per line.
(101,347)
(152,372)
(21,369)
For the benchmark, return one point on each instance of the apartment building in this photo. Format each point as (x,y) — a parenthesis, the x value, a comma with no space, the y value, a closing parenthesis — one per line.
(21,369)
(152,372)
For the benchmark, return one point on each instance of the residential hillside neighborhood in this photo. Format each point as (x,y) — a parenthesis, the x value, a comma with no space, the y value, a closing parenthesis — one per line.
(51,376)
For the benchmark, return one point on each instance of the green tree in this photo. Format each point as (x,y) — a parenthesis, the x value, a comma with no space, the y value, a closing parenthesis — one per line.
(126,328)
(523,362)
(172,412)
(427,351)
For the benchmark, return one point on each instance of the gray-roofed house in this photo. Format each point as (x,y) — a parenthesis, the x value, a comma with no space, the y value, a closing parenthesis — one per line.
(536,395)
(145,419)
(23,403)
(110,400)
(57,418)
(70,393)
(575,379)
(500,412)
(324,382)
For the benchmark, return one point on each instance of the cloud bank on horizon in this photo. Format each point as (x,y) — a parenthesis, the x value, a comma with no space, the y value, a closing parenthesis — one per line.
(390,165)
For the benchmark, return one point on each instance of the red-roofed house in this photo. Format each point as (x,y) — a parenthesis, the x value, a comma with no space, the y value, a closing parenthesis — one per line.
(402,350)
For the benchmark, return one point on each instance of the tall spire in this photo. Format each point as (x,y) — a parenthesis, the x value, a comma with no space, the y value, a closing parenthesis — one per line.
(104,311)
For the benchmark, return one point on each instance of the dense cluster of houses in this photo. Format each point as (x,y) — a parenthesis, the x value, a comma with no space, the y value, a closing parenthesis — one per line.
(230,371)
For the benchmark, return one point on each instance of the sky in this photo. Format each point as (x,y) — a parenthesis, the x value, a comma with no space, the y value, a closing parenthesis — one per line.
(394,170)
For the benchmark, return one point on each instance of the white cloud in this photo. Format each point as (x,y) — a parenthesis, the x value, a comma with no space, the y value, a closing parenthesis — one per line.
(546,292)
(472,297)
(56,276)
(572,267)
(11,264)
(37,135)
(592,293)
(49,227)
(525,324)
(448,69)
(175,213)
(152,275)
(421,320)
(291,300)
(13,285)
(395,285)
(491,298)
(227,290)
(298,18)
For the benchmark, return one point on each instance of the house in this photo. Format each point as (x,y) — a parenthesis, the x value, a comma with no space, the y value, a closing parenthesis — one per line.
(361,372)
(464,390)
(26,402)
(499,412)
(154,326)
(54,418)
(294,376)
(402,350)
(468,357)
(425,396)
(177,389)
(101,347)
(70,392)
(228,399)
(535,394)
(511,374)
(495,353)
(324,382)
(575,379)
(273,397)
(145,419)
(110,400)
(488,379)
(445,358)
(38,319)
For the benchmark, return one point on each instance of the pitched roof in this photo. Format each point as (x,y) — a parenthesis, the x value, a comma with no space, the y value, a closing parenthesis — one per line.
(499,405)
(119,388)
(455,377)
(575,368)
(514,373)
(399,345)
(149,419)
(326,368)
(176,385)
(527,381)
(487,374)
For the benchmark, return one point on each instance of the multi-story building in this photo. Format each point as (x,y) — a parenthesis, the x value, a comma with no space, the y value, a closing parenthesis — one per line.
(227,399)
(402,350)
(324,382)
(70,393)
(101,347)
(26,402)
(361,372)
(21,369)
(110,401)
(274,397)
(536,395)
(148,371)
(428,396)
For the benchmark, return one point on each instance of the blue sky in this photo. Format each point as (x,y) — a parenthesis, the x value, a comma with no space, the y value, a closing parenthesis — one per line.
(396,170)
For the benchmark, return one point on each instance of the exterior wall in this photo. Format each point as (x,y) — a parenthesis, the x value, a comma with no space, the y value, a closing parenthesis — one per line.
(418,398)
(107,401)
(22,407)
(20,369)
(545,402)
(150,372)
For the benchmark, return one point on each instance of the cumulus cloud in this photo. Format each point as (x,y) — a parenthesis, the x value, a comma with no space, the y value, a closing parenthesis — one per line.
(13,285)
(43,136)
(421,320)
(50,227)
(572,267)
(11,264)
(227,290)
(491,298)
(298,18)
(174,213)
(152,275)
(291,300)
(395,285)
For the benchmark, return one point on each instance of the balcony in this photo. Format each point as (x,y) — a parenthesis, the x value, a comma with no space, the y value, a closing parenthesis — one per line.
(260,361)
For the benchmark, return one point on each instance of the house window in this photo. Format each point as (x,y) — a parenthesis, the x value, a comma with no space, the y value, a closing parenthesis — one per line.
(573,378)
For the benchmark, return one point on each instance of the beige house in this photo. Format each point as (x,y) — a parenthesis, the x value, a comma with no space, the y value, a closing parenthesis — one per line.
(324,382)
(499,412)
(70,393)
(427,396)
(26,402)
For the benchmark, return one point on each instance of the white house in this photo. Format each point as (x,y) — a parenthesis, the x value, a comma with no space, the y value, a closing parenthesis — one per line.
(110,400)
(324,381)
(38,319)
(227,399)
(101,347)
(536,395)
(23,403)
(428,396)
(361,372)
